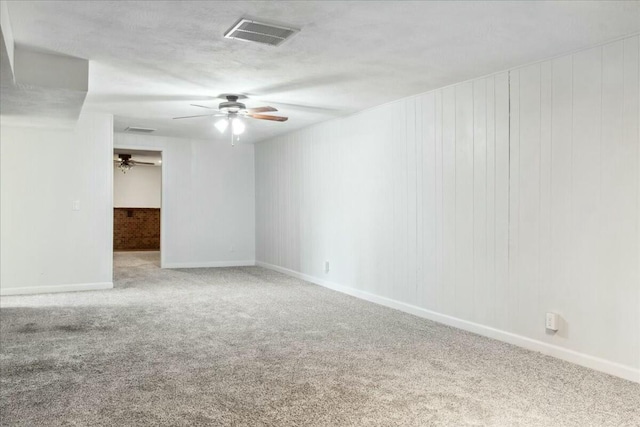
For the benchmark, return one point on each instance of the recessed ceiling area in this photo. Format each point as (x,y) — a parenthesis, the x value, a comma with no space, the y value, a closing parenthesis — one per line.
(149,62)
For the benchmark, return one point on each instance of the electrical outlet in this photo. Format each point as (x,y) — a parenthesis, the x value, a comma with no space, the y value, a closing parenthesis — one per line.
(232,249)
(551,322)
(326,266)
(75,205)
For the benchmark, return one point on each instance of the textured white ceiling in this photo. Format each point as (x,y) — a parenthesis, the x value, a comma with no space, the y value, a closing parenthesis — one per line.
(149,60)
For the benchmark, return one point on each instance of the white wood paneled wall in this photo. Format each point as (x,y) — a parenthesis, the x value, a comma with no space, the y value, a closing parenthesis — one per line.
(492,201)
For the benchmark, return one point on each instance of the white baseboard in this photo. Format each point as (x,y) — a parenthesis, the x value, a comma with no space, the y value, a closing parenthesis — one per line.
(602,365)
(31,290)
(242,263)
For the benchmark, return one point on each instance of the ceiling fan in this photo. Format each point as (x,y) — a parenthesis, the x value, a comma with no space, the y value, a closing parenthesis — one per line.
(231,110)
(125,162)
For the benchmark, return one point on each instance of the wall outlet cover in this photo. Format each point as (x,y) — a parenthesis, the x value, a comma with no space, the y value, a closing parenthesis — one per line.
(552,320)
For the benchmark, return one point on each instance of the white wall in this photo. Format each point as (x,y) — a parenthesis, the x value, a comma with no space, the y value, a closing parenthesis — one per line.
(442,206)
(208,204)
(140,187)
(46,246)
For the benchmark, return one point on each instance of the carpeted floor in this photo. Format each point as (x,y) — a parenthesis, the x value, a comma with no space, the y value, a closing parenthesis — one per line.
(251,347)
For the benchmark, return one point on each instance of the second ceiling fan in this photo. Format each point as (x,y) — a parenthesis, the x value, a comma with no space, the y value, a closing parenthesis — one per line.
(232,111)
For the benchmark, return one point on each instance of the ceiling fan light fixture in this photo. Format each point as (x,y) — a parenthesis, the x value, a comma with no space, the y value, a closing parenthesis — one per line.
(124,166)
(234,113)
(237,126)
(222,125)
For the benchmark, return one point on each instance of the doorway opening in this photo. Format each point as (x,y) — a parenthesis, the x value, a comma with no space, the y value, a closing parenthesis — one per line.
(137,204)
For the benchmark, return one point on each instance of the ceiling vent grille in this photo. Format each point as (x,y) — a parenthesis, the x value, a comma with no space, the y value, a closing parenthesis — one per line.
(259,32)
(133,129)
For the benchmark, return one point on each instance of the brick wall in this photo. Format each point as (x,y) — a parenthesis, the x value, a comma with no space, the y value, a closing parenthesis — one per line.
(136,229)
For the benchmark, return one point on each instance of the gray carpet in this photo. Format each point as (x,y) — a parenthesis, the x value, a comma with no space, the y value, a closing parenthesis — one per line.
(251,347)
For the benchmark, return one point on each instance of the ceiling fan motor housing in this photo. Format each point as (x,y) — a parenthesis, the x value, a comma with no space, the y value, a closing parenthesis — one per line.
(232,105)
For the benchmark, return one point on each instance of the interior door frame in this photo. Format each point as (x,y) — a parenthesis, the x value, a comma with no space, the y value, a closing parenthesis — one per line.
(163,199)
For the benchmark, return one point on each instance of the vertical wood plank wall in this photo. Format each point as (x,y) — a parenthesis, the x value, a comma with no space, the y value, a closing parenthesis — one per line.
(492,201)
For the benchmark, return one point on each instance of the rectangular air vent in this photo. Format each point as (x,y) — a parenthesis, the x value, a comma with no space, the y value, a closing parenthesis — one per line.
(133,129)
(259,32)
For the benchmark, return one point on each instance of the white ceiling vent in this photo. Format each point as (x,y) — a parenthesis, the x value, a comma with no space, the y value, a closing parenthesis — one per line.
(259,32)
(133,129)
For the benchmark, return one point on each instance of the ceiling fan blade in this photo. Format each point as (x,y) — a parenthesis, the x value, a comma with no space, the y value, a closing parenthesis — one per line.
(318,109)
(267,117)
(200,115)
(203,106)
(136,162)
(261,110)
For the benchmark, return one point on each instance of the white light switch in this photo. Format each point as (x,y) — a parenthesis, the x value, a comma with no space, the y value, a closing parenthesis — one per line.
(76,205)
(552,321)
